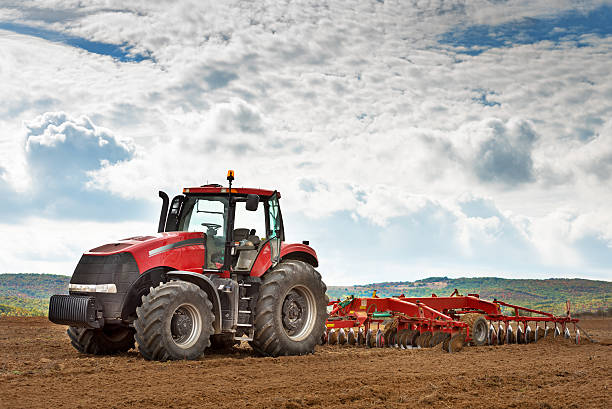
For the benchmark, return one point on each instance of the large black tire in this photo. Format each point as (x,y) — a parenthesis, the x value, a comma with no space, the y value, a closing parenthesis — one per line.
(103,341)
(479,328)
(291,310)
(175,321)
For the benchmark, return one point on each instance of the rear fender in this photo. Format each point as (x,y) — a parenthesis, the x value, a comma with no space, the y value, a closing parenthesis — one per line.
(300,252)
(207,286)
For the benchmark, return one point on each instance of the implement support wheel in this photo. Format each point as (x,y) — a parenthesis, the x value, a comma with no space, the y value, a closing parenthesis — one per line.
(479,328)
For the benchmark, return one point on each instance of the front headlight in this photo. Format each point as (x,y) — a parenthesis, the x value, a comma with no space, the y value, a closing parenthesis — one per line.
(93,288)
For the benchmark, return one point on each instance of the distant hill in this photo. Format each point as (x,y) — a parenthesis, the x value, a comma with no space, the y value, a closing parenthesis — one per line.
(547,295)
(28,294)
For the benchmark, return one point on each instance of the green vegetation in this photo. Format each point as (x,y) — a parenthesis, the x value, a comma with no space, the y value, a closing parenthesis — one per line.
(28,294)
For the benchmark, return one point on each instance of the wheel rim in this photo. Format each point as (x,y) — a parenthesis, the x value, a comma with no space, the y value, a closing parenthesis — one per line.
(186,325)
(480,332)
(298,313)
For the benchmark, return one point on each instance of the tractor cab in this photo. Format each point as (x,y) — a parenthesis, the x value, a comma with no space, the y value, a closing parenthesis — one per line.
(237,224)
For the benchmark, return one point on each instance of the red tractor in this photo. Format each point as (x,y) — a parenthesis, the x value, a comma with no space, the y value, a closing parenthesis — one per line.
(217,272)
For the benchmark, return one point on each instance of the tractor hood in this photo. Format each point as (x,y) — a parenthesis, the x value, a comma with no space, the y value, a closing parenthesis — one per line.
(161,249)
(145,243)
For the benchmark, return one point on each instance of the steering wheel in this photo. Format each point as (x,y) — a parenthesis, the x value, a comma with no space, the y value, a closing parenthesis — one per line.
(211,226)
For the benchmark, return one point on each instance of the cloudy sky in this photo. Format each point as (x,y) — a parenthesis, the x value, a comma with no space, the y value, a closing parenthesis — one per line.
(408,138)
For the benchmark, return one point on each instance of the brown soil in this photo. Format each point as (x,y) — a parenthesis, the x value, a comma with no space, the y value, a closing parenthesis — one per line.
(38,367)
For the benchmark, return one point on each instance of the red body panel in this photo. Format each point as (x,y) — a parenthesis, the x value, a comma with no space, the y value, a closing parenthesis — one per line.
(455,303)
(149,252)
(264,261)
(187,258)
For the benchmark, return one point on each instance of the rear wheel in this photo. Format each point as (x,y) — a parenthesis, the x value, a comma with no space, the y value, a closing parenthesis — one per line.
(175,321)
(102,341)
(291,310)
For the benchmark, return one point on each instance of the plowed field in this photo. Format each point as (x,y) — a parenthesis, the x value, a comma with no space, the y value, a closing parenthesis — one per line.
(39,368)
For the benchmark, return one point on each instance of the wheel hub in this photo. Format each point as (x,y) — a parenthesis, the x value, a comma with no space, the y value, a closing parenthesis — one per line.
(185,326)
(294,312)
(480,332)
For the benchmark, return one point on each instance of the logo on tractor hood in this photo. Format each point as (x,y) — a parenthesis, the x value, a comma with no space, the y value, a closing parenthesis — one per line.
(176,245)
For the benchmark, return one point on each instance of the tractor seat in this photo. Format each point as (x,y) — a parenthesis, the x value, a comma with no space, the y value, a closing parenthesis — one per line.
(253,238)
(241,234)
(248,235)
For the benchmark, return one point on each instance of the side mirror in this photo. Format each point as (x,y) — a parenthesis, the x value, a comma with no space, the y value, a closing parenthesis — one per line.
(252,202)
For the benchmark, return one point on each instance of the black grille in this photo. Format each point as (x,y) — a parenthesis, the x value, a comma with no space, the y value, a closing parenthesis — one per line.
(119,269)
(73,310)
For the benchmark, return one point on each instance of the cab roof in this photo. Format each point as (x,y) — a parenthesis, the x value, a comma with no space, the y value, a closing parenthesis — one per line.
(216,189)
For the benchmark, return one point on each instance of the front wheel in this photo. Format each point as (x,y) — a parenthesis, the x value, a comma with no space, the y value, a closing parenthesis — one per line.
(102,341)
(291,310)
(175,321)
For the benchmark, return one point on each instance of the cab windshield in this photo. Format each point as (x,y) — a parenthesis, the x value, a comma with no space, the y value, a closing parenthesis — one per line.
(207,214)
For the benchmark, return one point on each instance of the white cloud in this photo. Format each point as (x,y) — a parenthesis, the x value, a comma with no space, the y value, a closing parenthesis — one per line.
(352,108)
(40,245)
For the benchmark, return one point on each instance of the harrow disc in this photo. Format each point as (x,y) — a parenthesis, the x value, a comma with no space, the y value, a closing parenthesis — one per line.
(510,335)
(539,333)
(445,343)
(341,336)
(380,339)
(437,338)
(360,337)
(492,338)
(403,338)
(520,338)
(323,340)
(528,334)
(390,338)
(411,338)
(455,343)
(370,340)
(501,335)
(351,338)
(416,340)
(425,339)
(332,337)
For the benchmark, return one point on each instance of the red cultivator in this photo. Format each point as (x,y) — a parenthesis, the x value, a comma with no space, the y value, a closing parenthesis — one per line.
(422,322)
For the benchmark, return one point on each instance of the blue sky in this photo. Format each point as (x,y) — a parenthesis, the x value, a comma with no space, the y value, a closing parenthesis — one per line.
(408,140)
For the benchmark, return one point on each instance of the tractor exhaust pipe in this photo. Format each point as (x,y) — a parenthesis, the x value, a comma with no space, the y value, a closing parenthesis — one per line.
(164,211)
